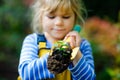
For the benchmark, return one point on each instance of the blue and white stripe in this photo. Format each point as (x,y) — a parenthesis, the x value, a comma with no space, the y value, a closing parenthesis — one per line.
(31,67)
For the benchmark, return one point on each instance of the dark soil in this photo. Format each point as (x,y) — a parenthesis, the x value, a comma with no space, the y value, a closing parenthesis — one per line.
(59,60)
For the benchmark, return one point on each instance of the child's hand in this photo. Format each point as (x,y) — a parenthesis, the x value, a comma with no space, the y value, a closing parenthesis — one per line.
(74,40)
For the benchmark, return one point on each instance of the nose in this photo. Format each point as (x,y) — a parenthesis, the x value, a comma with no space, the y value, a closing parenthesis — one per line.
(58,21)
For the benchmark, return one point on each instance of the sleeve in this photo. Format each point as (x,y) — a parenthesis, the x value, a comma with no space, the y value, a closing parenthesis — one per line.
(31,67)
(84,69)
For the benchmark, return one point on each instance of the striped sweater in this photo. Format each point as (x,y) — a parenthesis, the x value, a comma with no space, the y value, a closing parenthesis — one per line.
(31,67)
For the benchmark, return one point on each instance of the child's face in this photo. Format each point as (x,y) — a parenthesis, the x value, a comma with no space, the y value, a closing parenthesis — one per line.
(57,24)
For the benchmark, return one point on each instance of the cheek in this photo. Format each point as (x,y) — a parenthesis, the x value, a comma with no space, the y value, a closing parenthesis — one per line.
(46,23)
(71,22)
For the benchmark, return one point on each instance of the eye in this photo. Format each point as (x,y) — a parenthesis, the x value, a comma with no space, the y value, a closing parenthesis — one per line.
(51,16)
(66,17)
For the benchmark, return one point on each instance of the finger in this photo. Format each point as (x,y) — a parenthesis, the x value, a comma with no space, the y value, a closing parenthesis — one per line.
(78,40)
(72,42)
(66,37)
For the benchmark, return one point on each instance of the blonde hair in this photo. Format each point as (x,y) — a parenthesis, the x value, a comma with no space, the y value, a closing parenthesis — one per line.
(39,6)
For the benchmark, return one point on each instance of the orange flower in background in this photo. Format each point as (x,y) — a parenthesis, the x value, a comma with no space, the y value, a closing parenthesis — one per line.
(27,2)
(105,34)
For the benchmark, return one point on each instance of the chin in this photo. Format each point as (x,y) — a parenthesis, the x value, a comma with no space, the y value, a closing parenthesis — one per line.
(59,38)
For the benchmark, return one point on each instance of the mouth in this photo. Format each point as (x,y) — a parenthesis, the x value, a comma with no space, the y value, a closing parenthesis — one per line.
(59,30)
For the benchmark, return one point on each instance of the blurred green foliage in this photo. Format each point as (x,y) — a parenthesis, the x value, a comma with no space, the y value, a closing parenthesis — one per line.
(103,35)
(14,25)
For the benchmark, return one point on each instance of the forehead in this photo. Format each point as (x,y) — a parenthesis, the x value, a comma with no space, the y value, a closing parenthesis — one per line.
(54,5)
(61,11)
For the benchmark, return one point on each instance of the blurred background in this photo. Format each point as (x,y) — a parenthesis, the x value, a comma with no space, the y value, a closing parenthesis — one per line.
(102,29)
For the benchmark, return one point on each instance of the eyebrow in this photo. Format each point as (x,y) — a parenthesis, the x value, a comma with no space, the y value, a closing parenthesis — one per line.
(65,13)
